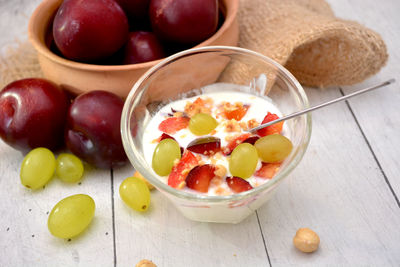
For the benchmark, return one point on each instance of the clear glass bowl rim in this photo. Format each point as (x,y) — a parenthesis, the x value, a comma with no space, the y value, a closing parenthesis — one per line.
(134,156)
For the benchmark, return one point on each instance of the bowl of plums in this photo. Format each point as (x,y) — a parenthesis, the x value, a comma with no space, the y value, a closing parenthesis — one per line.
(108,44)
(188,130)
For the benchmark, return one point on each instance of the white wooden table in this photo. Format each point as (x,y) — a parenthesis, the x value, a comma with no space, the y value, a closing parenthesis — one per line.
(347,188)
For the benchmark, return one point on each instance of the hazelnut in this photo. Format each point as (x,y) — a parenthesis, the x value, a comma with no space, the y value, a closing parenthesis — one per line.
(232,126)
(220,171)
(145,263)
(221,191)
(178,114)
(306,240)
(252,123)
(181,185)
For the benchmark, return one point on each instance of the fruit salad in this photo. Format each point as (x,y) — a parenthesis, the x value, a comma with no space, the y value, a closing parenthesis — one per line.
(202,144)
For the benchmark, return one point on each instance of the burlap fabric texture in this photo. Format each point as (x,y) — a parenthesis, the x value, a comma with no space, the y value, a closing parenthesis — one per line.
(303,35)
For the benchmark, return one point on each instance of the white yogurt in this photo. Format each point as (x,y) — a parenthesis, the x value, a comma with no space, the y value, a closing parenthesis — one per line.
(259,107)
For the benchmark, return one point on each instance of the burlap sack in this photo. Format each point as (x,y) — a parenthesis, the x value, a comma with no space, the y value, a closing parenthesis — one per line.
(303,35)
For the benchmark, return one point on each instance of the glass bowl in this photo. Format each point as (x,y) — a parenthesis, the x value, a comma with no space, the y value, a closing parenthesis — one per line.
(184,74)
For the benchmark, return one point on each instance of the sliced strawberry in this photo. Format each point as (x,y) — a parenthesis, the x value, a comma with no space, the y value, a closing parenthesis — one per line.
(199,177)
(208,145)
(174,124)
(268,170)
(236,112)
(272,129)
(238,184)
(180,171)
(234,143)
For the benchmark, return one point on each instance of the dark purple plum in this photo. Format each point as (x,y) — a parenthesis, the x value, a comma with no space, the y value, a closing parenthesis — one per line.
(251,140)
(184,21)
(208,145)
(93,129)
(33,114)
(142,47)
(135,9)
(90,30)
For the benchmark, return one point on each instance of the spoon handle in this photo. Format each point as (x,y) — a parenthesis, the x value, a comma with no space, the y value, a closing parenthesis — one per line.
(301,112)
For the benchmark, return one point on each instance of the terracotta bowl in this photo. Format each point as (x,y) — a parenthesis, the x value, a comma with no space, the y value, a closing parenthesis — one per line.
(119,79)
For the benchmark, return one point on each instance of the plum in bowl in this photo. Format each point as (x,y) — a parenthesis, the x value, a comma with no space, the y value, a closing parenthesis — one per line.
(79,77)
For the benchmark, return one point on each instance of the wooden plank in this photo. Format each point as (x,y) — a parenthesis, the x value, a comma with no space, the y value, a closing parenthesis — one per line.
(355,214)
(23,223)
(14,16)
(378,113)
(164,236)
(339,192)
(24,238)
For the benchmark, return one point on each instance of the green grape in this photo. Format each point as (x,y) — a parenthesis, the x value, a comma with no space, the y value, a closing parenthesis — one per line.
(273,148)
(71,216)
(202,124)
(135,193)
(243,160)
(37,168)
(164,156)
(69,168)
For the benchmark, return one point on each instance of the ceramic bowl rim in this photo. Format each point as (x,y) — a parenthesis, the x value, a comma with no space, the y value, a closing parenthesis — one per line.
(231,6)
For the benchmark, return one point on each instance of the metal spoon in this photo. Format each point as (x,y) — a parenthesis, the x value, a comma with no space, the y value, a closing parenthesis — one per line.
(301,112)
